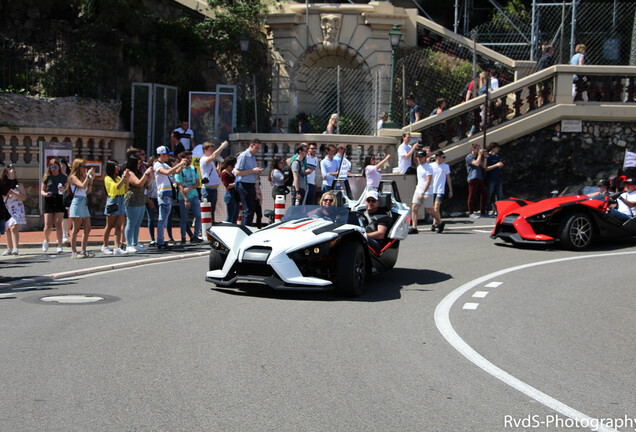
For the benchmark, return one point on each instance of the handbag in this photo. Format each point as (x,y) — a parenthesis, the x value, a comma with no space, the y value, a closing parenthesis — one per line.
(68,196)
(112,208)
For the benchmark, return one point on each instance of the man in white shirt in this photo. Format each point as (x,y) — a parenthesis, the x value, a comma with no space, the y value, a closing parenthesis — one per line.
(405,154)
(423,191)
(312,164)
(441,178)
(164,190)
(626,202)
(209,173)
(343,166)
(187,135)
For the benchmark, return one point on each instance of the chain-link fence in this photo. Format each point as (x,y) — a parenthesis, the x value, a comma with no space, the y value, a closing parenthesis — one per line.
(439,68)
(347,92)
(606,28)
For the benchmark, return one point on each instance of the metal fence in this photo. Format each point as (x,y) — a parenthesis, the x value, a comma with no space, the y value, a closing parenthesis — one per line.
(608,29)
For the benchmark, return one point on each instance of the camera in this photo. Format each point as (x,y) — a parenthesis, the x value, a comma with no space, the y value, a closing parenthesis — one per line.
(419,143)
(205,180)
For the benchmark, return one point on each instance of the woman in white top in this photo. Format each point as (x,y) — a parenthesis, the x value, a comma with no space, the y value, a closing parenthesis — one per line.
(80,183)
(372,171)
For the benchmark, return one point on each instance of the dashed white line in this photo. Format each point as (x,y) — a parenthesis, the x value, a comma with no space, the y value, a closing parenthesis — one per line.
(480,294)
(493,284)
(442,321)
(470,306)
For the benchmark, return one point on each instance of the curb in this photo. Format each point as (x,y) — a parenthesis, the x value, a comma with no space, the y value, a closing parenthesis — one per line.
(80,272)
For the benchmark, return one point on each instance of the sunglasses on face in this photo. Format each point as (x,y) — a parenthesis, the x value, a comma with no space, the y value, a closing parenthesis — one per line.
(327,200)
(371,200)
(54,167)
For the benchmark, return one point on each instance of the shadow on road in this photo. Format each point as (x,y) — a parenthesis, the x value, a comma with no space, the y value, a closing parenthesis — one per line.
(379,287)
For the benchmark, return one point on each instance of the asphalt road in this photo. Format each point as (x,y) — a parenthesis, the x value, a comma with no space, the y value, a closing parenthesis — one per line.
(166,352)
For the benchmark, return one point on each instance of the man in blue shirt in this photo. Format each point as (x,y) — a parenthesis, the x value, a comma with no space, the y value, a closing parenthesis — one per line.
(493,173)
(329,168)
(247,172)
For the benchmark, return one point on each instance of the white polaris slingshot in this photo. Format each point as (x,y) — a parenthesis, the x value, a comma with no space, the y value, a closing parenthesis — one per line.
(311,248)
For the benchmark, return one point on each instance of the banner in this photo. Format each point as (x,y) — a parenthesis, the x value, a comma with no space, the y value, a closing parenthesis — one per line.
(630,160)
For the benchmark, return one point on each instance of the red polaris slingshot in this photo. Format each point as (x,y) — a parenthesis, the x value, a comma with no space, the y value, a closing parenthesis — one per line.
(573,219)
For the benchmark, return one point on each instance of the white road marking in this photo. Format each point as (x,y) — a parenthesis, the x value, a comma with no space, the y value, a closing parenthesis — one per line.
(72,299)
(482,231)
(493,285)
(470,306)
(442,321)
(480,294)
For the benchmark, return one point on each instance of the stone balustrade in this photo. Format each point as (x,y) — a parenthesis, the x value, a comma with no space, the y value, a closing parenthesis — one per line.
(284,145)
(20,147)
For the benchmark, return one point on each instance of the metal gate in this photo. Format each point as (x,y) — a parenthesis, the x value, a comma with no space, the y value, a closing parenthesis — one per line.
(153,115)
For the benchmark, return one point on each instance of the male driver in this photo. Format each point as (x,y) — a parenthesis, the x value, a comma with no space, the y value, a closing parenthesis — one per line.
(187,183)
(405,154)
(247,172)
(312,164)
(328,168)
(376,224)
(475,164)
(187,135)
(414,111)
(626,202)
(210,174)
(423,194)
(164,190)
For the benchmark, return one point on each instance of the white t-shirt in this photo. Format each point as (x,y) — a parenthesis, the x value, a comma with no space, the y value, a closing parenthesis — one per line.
(622,207)
(208,169)
(162,180)
(424,171)
(186,137)
(345,167)
(373,176)
(439,177)
(404,164)
(312,162)
(198,151)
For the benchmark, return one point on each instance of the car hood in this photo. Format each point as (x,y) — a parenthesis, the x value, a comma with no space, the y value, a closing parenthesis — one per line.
(532,208)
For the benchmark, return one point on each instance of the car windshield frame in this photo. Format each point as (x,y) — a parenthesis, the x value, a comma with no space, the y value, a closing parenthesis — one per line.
(337,215)
(578,190)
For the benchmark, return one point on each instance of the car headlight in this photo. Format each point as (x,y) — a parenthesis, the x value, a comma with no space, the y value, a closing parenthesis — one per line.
(217,244)
(317,251)
(542,217)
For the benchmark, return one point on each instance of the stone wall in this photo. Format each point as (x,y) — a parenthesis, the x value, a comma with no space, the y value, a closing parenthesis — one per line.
(65,113)
(549,159)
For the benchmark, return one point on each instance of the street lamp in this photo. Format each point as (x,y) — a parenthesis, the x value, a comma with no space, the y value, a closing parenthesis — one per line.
(394,38)
(244,40)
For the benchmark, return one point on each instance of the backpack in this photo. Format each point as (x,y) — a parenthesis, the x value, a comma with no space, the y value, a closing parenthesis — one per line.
(288,176)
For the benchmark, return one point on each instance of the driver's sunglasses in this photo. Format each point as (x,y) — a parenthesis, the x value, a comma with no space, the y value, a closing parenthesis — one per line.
(371,200)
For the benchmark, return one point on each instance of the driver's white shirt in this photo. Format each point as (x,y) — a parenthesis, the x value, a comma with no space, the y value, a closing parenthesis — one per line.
(622,207)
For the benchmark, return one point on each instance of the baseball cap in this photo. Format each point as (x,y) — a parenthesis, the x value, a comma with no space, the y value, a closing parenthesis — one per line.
(421,153)
(163,150)
(630,181)
(603,182)
(373,194)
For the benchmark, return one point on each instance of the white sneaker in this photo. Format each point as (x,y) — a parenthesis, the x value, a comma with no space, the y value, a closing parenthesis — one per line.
(64,239)
(15,252)
(130,249)
(59,250)
(140,248)
(106,250)
(45,246)
(119,251)
(7,252)
(474,216)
